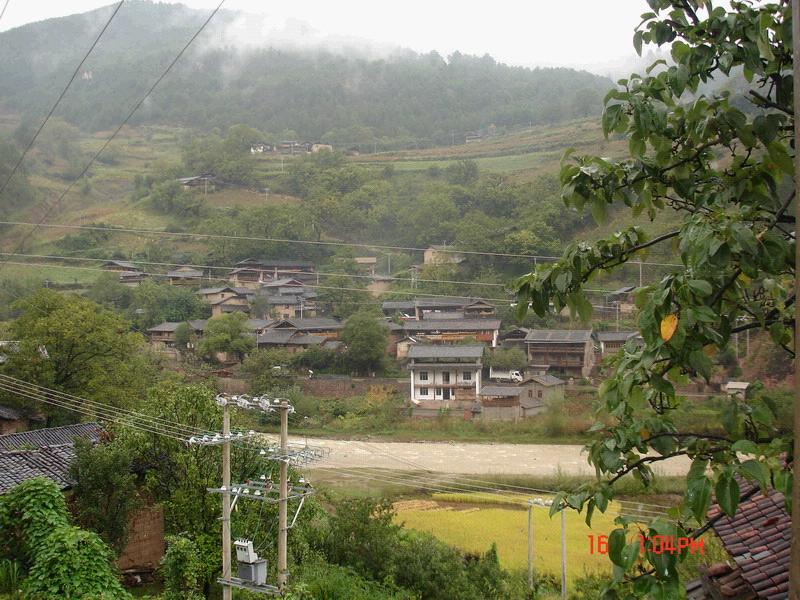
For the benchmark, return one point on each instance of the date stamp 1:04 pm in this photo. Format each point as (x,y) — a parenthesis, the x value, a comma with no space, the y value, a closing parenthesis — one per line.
(658,544)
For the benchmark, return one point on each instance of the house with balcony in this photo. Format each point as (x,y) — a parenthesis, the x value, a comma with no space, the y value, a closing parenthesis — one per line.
(185,276)
(511,402)
(254,272)
(611,342)
(434,308)
(444,378)
(454,331)
(568,352)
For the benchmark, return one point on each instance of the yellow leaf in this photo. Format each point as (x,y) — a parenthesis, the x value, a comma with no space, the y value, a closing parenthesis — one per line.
(668,326)
(710,350)
(644,433)
(744,278)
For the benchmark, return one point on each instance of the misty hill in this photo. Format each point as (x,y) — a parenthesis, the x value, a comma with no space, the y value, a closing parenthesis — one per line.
(315,93)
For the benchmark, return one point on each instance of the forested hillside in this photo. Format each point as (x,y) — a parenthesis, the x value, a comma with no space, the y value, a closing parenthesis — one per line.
(311,94)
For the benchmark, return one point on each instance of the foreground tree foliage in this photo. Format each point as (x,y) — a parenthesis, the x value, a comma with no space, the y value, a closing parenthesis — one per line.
(728,175)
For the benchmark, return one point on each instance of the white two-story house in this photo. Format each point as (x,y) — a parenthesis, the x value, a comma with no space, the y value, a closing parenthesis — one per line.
(444,377)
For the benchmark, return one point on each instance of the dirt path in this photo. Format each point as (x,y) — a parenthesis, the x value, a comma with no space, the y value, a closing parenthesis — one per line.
(468,458)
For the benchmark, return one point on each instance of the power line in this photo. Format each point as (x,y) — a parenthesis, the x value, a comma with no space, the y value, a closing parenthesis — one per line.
(96,155)
(303,242)
(61,96)
(5,6)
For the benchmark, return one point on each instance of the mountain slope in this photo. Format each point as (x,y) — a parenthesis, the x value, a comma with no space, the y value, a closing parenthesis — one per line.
(314,94)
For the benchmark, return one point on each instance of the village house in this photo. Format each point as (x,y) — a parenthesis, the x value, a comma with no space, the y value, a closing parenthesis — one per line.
(321,148)
(253,272)
(185,276)
(611,342)
(421,308)
(444,378)
(132,278)
(237,303)
(289,298)
(521,400)
(288,339)
(453,331)
(735,389)
(366,264)
(120,266)
(11,420)
(569,352)
(163,334)
(261,148)
(213,295)
(328,329)
(515,338)
(441,255)
(623,299)
(207,181)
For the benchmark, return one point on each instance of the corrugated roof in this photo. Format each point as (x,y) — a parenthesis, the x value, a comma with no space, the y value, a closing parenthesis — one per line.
(20,465)
(426,351)
(452,325)
(51,436)
(559,336)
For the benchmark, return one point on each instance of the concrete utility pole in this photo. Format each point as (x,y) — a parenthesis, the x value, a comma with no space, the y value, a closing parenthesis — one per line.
(283,503)
(530,545)
(563,555)
(794,562)
(226,501)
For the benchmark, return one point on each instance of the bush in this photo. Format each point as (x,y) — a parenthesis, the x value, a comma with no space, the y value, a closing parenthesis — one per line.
(182,570)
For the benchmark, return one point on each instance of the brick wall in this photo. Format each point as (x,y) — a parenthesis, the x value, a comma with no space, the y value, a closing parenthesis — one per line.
(343,387)
(146,544)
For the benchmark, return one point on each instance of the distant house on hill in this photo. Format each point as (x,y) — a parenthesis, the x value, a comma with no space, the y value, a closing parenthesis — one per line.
(132,278)
(569,352)
(120,266)
(432,308)
(321,148)
(11,420)
(184,276)
(253,272)
(527,398)
(288,339)
(454,331)
(206,181)
(612,342)
(261,148)
(366,264)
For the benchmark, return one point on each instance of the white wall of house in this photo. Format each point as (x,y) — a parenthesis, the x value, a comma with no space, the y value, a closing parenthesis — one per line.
(428,381)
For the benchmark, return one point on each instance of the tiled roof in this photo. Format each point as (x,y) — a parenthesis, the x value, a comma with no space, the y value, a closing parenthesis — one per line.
(52,462)
(289,337)
(559,336)
(51,436)
(425,351)
(546,380)
(167,326)
(500,390)
(615,336)
(452,325)
(121,263)
(310,323)
(185,274)
(9,414)
(269,262)
(758,539)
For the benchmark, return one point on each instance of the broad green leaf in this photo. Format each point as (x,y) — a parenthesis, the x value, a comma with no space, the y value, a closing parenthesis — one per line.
(616,544)
(727,493)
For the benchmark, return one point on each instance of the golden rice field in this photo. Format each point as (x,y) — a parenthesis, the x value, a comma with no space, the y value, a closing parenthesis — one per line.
(472,522)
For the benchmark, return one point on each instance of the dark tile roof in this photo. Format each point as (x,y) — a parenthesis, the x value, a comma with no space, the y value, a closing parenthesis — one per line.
(559,336)
(615,336)
(270,262)
(288,337)
(546,380)
(185,274)
(52,462)
(198,324)
(51,436)
(425,351)
(309,323)
(501,390)
(9,414)
(167,326)
(452,325)
(121,263)
(398,305)
(758,538)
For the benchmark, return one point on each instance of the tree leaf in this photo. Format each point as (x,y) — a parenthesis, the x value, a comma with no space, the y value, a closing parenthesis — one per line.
(727,493)
(668,326)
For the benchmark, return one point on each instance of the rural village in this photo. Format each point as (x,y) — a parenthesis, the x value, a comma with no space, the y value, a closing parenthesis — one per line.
(306,317)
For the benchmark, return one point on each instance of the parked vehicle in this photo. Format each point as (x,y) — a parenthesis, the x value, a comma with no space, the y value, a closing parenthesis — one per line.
(500,375)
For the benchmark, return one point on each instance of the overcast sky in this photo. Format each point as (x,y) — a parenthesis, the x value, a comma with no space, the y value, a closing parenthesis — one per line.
(594,34)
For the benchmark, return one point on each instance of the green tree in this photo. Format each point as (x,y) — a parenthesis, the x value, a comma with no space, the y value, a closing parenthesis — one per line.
(366,339)
(228,334)
(462,172)
(268,370)
(182,570)
(155,303)
(728,175)
(73,345)
(506,359)
(104,493)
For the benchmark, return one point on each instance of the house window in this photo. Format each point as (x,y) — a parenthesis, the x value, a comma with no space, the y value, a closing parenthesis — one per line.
(446,377)
(423,376)
(423,391)
(539,394)
(530,393)
(439,392)
(467,375)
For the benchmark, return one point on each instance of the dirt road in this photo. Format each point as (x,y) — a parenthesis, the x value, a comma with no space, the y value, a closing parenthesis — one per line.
(466,458)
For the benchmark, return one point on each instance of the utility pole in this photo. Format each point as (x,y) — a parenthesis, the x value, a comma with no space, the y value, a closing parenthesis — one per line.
(641,279)
(227,591)
(530,545)
(563,555)
(794,561)
(283,503)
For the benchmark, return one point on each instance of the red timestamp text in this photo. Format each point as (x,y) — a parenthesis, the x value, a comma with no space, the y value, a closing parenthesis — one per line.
(657,544)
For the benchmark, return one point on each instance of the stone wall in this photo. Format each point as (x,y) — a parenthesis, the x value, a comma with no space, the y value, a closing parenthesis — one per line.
(343,387)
